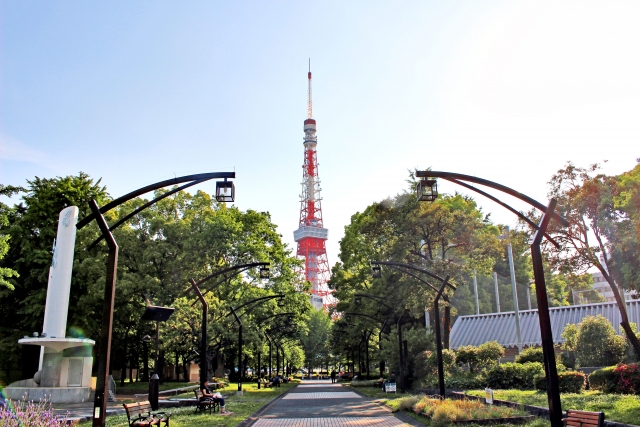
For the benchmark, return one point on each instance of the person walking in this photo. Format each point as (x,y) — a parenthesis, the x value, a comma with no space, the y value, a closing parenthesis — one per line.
(333,376)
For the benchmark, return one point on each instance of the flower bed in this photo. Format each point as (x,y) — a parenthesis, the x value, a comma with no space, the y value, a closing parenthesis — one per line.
(458,411)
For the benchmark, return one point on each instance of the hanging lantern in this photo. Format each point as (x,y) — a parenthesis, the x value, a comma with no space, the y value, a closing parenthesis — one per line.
(225,191)
(264,272)
(427,190)
(376,272)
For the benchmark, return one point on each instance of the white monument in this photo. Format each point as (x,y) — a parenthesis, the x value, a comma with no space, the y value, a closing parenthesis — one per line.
(63,376)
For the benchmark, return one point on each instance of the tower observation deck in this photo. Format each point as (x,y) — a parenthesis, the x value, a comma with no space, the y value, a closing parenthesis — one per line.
(311,234)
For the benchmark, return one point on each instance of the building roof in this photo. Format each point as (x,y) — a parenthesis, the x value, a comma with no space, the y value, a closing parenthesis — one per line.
(476,330)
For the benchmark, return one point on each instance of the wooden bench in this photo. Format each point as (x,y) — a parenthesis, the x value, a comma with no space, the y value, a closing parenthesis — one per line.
(584,419)
(140,414)
(203,405)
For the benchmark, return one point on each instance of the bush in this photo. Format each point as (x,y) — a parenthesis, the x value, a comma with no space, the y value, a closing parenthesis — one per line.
(426,363)
(627,378)
(490,352)
(467,354)
(531,354)
(598,344)
(568,382)
(513,375)
(603,379)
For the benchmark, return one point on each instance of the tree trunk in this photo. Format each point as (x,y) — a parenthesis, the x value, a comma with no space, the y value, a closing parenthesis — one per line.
(622,307)
(446,326)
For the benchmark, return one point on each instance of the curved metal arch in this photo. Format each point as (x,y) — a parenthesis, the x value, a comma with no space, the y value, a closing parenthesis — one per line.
(143,207)
(412,267)
(450,176)
(260,321)
(201,177)
(375,299)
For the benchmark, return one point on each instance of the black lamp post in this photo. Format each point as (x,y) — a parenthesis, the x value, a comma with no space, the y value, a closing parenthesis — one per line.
(553,391)
(234,312)
(402,267)
(102,382)
(264,274)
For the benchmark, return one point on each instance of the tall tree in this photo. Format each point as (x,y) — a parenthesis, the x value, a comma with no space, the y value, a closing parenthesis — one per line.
(586,199)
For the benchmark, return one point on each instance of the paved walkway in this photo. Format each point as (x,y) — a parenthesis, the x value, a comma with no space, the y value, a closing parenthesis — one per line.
(322,404)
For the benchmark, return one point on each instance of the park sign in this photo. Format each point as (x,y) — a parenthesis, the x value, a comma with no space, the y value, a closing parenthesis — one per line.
(488,395)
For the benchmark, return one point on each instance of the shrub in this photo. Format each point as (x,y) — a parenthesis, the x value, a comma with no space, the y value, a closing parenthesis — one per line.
(513,375)
(627,378)
(426,363)
(467,354)
(531,354)
(568,382)
(603,379)
(490,352)
(597,343)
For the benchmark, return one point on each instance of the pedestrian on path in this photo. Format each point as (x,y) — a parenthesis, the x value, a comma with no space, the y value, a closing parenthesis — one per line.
(333,376)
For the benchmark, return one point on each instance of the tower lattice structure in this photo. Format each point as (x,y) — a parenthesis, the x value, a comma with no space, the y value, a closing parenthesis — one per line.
(311,234)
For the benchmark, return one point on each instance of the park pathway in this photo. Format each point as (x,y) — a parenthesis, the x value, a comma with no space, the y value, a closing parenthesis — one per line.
(322,404)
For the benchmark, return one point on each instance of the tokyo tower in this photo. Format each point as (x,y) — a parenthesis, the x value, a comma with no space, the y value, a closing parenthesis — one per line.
(311,235)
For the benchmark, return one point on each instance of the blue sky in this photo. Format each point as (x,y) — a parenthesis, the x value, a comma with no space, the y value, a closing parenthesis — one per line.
(136,92)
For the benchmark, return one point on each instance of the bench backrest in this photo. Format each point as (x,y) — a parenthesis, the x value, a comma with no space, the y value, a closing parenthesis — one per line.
(198,393)
(585,419)
(137,409)
(131,408)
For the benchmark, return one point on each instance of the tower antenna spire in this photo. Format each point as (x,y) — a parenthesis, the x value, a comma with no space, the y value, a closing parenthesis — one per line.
(309,103)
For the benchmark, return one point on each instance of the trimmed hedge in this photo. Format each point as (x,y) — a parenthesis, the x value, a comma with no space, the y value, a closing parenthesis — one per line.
(603,379)
(530,354)
(568,382)
(513,375)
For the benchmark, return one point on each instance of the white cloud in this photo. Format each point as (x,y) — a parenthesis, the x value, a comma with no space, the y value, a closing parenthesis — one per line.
(12,149)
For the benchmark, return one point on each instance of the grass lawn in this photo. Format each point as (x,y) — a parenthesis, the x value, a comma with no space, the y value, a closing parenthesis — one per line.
(241,406)
(622,408)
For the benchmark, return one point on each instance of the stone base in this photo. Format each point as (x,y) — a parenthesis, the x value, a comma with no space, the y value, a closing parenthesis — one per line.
(52,394)
(239,393)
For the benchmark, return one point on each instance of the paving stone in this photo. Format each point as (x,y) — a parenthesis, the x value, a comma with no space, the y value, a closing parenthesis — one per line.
(330,422)
(323,395)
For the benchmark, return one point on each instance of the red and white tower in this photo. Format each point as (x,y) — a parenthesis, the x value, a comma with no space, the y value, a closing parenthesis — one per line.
(311,235)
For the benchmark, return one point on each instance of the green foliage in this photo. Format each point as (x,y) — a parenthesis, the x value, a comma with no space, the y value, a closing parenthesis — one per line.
(597,343)
(181,237)
(568,382)
(426,363)
(513,375)
(468,354)
(489,352)
(315,342)
(603,379)
(531,354)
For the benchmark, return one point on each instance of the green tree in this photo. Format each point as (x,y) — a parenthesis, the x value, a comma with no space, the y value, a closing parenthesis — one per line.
(315,342)
(587,201)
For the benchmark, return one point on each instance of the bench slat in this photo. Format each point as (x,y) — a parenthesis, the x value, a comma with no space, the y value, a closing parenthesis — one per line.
(593,416)
(574,422)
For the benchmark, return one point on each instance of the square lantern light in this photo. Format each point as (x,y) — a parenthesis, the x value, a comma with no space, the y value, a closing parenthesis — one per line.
(376,272)
(225,191)
(264,272)
(427,190)
(358,300)
(281,302)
